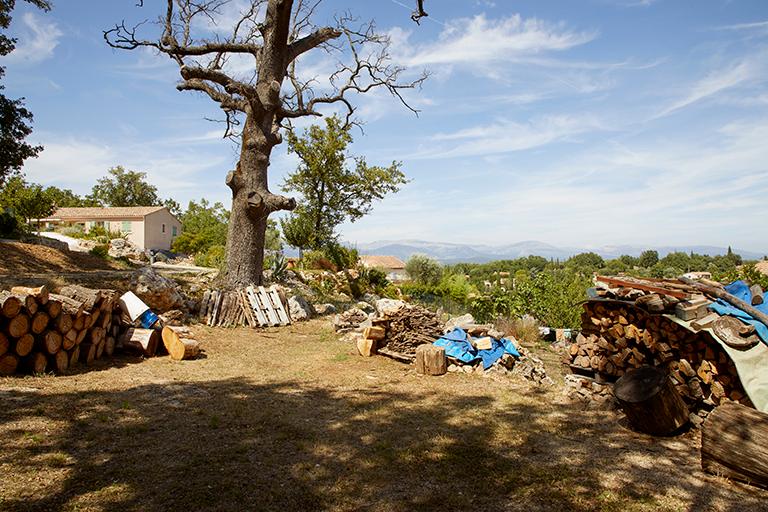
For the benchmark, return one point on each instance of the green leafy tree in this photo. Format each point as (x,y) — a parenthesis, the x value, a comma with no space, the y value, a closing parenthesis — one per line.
(424,270)
(27,201)
(124,188)
(65,198)
(173,206)
(299,232)
(331,191)
(202,226)
(14,118)
(648,258)
(586,262)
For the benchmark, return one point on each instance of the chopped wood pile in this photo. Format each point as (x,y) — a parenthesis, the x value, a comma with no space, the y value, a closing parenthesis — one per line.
(632,325)
(253,306)
(408,327)
(40,331)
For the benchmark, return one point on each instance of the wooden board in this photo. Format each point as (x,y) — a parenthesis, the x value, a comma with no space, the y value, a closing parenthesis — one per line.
(642,286)
(267,304)
(254,300)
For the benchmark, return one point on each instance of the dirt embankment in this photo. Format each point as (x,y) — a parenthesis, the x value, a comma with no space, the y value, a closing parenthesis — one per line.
(21,258)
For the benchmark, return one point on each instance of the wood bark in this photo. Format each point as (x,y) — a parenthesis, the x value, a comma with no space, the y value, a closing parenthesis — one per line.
(757,294)
(650,401)
(430,360)
(734,444)
(40,293)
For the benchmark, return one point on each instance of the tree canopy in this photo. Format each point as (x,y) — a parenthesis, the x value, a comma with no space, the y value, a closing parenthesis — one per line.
(331,190)
(124,188)
(14,118)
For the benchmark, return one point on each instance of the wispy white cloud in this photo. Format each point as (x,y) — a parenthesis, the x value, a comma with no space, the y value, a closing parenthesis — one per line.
(759,25)
(37,41)
(480,40)
(718,81)
(507,136)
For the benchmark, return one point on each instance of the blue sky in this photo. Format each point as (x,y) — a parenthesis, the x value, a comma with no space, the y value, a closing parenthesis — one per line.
(580,123)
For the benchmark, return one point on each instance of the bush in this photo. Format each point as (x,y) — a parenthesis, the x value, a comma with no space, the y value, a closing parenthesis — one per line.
(317,260)
(10,227)
(101,250)
(423,270)
(213,257)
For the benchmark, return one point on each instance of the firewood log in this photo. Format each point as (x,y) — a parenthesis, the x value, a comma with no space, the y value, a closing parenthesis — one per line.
(109,346)
(87,353)
(68,305)
(36,362)
(650,401)
(8,364)
(430,360)
(18,326)
(5,344)
(143,341)
(734,444)
(10,305)
(74,356)
(90,298)
(68,340)
(64,323)
(53,307)
(757,294)
(59,362)
(39,322)
(40,293)
(179,343)
(51,342)
(24,345)
(100,350)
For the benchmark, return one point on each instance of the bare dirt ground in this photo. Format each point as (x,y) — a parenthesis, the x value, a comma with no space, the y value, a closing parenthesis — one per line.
(290,419)
(21,258)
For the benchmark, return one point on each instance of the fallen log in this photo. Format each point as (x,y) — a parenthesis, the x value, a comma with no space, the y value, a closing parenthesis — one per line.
(734,444)
(40,293)
(650,401)
(179,343)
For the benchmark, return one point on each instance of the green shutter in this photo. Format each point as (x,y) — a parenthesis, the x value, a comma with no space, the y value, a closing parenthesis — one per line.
(126,226)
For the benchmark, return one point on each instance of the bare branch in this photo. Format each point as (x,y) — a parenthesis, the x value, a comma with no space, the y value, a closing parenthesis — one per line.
(311,41)
(419,12)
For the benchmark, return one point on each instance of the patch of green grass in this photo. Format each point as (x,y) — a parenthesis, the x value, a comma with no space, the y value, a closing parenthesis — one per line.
(340,357)
(35,438)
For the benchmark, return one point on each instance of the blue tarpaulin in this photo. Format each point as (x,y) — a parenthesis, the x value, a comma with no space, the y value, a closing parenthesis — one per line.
(457,345)
(740,289)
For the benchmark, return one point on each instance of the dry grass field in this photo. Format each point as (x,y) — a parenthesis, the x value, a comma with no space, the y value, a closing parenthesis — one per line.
(290,419)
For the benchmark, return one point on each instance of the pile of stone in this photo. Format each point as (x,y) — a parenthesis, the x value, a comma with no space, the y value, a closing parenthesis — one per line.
(122,248)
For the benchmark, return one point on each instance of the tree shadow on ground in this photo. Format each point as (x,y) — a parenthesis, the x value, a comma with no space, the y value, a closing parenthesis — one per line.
(235,445)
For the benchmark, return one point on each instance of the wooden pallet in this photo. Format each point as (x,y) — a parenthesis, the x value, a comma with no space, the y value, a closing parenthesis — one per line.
(253,306)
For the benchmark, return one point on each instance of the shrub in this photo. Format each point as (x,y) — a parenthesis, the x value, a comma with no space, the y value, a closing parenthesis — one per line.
(213,257)
(101,250)
(10,227)
(423,270)
(317,260)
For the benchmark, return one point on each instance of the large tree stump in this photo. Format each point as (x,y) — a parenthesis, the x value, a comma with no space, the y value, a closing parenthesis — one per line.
(650,401)
(430,360)
(734,444)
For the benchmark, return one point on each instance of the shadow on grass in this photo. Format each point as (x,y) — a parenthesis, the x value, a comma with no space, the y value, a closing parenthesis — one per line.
(235,445)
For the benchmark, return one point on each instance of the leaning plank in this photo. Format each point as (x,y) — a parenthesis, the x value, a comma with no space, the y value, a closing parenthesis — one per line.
(278,305)
(734,444)
(271,314)
(245,304)
(260,316)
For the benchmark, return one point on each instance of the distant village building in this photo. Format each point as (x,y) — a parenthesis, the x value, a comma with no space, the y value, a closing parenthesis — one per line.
(762,266)
(698,275)
(147,227)
(393,266)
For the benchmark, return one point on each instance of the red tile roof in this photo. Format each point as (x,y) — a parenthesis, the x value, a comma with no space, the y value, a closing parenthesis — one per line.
(390,262)
(125,212)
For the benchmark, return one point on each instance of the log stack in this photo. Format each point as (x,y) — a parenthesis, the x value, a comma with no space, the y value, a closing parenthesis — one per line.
(40,331)
(406,329)
(619,336)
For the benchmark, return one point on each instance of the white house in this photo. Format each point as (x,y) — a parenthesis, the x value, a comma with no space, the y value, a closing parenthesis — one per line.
(147,227)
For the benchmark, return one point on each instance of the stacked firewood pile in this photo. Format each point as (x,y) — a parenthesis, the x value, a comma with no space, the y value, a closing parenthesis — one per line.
(618,336)
(408,327)
(40,331)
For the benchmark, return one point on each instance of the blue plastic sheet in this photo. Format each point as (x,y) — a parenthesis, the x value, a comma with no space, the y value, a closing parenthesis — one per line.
(457,344)
(740,289)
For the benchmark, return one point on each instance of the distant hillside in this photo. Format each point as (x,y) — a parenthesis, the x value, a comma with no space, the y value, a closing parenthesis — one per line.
(463,253)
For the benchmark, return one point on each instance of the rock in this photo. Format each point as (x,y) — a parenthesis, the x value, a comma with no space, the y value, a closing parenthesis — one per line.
(324,309)
(368,308)
(463,321)
(371,298)
(453,368)
(343,297)
(159,293)
(387,307)
(300,309)
(122,248)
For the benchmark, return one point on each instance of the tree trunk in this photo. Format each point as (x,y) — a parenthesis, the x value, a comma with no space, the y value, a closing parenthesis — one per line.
(252,202)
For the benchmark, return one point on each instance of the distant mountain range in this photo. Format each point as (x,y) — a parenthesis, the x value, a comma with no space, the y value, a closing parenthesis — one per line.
(464,253)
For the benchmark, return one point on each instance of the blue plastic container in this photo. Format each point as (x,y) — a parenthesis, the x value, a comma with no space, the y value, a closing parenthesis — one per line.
(148,319)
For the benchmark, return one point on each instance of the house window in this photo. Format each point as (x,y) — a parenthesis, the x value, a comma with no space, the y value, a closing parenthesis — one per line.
(174,231)
(163,228)
(126,226)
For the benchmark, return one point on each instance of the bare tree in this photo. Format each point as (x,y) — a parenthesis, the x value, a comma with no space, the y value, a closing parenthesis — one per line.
(272,35)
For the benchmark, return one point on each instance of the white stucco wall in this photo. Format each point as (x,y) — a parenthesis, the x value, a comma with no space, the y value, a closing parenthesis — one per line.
(158,230)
